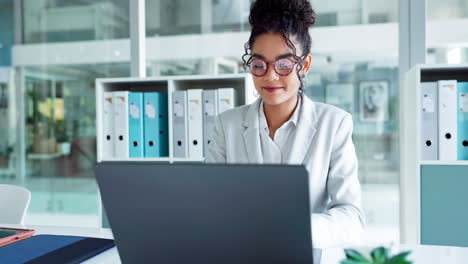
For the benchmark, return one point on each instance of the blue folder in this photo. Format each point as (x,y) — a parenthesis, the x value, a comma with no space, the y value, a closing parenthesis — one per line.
(53,249)
(135,124)
(151,124)
(163,126)
(462,144)
(155,124)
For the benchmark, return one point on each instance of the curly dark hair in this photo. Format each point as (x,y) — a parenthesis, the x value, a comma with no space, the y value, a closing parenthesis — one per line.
(287,17)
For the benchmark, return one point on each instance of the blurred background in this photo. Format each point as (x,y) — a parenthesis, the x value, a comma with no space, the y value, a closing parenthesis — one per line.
(51,52)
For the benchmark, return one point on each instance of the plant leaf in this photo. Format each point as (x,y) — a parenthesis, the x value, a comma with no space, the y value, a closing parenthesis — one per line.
(353,254)
(350,261)
(399,258)
(379,255)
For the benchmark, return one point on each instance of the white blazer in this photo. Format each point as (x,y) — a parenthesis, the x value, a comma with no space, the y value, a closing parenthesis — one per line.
(323,145)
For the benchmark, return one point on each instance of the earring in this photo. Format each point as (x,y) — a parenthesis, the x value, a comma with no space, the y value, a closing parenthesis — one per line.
(303,76)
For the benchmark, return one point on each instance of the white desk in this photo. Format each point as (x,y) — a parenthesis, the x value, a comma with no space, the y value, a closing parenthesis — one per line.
(420,254)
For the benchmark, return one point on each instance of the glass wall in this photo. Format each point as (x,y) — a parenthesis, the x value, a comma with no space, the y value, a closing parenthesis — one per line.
(8,150)
(353,12)
(52,151)
(74,20)
(175,17)
(446,28)
(61,141)
(448,9)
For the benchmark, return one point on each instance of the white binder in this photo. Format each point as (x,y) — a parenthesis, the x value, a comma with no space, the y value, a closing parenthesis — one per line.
(447,120)
(121,125)
(180,126)
(226,99)
(195,123)
(210,110)
(108,126)
(429,123)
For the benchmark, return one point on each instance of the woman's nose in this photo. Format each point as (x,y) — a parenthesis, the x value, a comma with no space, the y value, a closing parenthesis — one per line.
(271,74)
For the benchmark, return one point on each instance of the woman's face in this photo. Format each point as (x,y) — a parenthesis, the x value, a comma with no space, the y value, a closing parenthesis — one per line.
(272,87)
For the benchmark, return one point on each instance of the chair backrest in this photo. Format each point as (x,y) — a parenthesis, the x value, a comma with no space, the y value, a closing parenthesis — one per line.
(14,202)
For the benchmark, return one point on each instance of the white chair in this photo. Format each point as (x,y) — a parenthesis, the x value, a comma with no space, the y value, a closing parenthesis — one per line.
(14,202)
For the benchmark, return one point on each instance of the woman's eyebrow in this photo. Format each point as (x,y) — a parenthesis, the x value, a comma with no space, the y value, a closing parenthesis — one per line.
(286,55)
(258,56)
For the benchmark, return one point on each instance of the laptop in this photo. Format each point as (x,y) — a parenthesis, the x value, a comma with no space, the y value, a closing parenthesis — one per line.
(185,213)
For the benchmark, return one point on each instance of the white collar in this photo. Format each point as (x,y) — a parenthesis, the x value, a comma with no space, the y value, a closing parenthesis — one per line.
(294,118)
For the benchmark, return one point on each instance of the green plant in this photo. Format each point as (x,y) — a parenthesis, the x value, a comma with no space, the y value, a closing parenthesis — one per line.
(378,256)
(60,127)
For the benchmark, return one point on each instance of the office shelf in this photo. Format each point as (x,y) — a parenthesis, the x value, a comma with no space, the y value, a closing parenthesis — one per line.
(168,160)
(417,176)
(162,160)
(444,162)
(242,83)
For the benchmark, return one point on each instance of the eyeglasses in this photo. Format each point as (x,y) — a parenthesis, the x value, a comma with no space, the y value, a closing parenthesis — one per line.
(283,66)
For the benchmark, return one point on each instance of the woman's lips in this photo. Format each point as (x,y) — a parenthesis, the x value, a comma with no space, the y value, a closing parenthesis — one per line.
(272,89)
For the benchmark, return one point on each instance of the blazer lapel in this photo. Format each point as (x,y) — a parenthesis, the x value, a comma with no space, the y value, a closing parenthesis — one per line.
(252,134)
(305,132)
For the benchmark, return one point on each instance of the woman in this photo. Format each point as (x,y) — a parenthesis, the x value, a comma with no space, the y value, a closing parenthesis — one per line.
(285,126)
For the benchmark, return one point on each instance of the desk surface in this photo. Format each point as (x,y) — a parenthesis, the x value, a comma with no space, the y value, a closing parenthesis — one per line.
(421,254)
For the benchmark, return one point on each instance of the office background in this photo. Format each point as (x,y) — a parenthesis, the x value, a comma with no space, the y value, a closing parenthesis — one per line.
(52,51)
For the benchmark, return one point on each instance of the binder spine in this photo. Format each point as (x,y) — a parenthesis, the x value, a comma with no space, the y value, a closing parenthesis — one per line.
(429,123)
(135,119)
(180,127)
(463,121)
(447,120)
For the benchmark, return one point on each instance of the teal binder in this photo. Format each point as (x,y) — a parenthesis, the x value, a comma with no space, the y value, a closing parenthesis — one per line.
(462,121)
(163,125)
(135,125)
(151,124)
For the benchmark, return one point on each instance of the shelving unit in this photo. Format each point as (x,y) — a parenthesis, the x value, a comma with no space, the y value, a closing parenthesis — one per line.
(433,194)
(242,83)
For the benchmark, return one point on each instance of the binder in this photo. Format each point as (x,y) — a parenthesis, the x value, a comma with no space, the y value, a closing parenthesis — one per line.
(429,123)
(180,124)
(121,124)
(156,126)
(151,124)
(54,249)
(163,125)
(108,125)
(195,123)
(447,119)
(210,110)
(135,125)
(226,99)
(463,120)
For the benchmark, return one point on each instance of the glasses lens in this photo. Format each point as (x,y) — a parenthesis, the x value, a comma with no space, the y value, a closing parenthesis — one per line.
(258,67)
(284,66)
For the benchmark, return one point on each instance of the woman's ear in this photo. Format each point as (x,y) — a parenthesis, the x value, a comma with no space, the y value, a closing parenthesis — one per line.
(306,64)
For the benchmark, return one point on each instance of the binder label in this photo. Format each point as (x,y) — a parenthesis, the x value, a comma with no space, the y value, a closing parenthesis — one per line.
(464,102)
(428,104)
(150,111)
(134,111)
(178,110)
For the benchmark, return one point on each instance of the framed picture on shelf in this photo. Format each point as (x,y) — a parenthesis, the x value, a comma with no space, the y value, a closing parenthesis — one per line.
(373,101)
(340,95)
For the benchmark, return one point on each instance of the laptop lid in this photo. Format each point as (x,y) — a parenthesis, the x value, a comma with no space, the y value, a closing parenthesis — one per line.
(161,213)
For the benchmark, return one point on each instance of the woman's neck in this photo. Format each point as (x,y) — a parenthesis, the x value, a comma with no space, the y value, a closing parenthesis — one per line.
(277,115)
